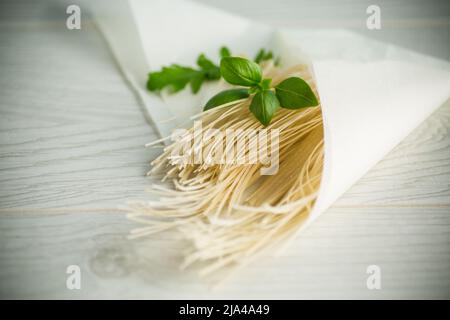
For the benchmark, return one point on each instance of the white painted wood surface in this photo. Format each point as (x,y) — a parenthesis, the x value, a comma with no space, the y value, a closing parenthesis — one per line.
(71,151)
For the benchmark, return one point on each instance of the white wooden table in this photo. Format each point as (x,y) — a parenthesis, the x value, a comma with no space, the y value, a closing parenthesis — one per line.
(71,152)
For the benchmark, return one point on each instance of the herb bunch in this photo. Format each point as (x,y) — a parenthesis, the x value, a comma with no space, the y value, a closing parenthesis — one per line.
(176,77)
(291,93)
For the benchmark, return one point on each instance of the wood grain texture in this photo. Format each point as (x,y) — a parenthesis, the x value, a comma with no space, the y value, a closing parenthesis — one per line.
(71,152)
(72,134)
(328,260)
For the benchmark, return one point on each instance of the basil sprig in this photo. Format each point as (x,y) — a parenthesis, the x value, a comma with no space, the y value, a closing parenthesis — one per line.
(291,93)
(176,77)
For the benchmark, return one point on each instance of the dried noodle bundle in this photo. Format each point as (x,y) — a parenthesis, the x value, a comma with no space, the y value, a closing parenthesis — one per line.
(231,212)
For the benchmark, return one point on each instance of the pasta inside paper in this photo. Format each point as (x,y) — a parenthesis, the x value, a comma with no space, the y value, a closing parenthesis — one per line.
(372,94)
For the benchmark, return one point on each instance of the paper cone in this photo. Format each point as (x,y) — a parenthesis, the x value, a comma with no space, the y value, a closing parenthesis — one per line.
(372,94)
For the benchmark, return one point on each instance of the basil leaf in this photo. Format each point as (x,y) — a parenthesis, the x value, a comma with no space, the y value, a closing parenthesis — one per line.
(175,77)
(295,93)
(264,105)
(196,82)
(240,71)
(225,97)
(254,89)
(265,84)
(210,70)
(262,55)
(225,52)
(204,63)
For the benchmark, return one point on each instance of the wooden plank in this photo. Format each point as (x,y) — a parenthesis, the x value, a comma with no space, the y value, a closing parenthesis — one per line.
(71,151)
(72,133)
(328,260)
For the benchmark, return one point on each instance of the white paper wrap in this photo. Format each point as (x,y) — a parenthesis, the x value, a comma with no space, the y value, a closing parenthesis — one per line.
(372,94)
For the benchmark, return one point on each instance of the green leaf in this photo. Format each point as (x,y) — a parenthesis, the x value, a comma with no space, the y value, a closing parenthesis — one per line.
(264,105)
(295,93)
(254,89)
(205,63)
(265,84)
(175,77)
(240,71)
(196,82)
(262,55)
(225,52)
(210,70)
(226,97)
(277,61)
